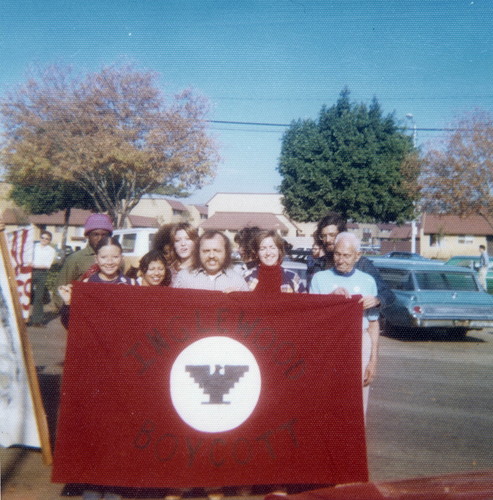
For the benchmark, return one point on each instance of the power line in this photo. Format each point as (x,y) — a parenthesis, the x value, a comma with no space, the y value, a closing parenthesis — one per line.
(262,124)
(265,124)
(406,98)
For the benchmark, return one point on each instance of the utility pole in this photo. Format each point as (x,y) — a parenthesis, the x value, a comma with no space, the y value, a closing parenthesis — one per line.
(414,230)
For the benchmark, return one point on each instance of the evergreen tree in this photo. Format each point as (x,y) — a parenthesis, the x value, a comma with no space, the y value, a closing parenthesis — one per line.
(353,160)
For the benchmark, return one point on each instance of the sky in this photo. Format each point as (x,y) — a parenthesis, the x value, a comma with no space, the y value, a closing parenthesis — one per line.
(270,61)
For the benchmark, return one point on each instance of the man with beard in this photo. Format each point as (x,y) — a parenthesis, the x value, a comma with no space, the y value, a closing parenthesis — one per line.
(327,230)
(211,270)
(212,266)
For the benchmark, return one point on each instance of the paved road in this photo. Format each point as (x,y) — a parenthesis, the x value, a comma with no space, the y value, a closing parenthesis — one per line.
(430,412)
(431,407)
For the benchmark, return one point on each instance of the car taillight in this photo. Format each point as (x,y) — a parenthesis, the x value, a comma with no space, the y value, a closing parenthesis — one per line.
(417,309)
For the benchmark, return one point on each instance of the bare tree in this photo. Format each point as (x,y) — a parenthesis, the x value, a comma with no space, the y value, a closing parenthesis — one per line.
(457,178)
(112,133)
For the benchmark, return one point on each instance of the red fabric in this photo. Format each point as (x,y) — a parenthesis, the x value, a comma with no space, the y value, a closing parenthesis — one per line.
(118,426)
(269,278)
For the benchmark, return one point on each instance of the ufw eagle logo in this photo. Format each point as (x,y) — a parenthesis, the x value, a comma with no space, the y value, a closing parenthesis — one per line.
(218,383)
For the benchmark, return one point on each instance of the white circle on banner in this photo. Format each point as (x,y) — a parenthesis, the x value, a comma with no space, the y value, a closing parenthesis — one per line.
(215,384)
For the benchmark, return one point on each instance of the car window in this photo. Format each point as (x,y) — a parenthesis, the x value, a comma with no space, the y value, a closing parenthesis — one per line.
(397,279)
(470,263)
(128,242)
(430,280)
(300,271)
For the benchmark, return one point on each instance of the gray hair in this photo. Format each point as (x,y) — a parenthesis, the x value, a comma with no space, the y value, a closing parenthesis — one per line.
(350,238)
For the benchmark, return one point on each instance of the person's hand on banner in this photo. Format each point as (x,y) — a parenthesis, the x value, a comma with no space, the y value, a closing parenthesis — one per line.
(65,292)
(342,291)
(232,289)
(369,301)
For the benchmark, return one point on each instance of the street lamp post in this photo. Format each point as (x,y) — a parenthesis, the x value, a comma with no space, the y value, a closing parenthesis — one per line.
(410,116)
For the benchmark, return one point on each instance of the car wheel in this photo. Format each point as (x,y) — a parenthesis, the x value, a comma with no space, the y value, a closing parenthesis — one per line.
(457,333)
(386,328)
(390,330)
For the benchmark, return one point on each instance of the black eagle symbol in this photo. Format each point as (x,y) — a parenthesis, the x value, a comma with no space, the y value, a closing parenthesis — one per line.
(216,384)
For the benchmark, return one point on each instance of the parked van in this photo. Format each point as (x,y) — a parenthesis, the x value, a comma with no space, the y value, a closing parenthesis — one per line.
(135,243)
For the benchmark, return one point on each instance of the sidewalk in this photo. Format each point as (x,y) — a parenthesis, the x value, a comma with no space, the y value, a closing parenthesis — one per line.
(24,475)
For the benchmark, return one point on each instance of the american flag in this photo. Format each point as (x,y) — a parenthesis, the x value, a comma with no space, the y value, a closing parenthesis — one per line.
(20,244)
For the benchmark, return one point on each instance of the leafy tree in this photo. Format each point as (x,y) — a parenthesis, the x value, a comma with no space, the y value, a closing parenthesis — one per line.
(457,175)
(352,160)
(113,134)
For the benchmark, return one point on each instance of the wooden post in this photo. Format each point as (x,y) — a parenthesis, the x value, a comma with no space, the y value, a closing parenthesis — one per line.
(32,376)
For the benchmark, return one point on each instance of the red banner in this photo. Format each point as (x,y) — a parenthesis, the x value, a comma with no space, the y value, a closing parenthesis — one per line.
(181,388)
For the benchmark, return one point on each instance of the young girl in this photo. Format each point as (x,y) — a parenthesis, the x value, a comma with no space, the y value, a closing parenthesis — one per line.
(109,259)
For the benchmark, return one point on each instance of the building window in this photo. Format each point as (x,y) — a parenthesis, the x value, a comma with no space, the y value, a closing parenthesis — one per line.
(177,212)
(465,239)
(436,240)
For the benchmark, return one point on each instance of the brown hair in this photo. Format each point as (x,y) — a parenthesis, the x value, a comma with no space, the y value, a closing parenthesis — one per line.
(278,241)
(330,219)
(164,240)
(244,238)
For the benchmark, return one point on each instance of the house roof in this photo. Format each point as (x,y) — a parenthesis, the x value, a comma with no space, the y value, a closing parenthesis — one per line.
(234,221)
(228,193)
(401,232)
(177,205)
(142,221)
(17,216)
(77,218)
(386,227)
(202,209)
(453,224)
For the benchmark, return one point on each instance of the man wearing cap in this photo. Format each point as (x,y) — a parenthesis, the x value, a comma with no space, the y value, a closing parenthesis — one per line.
(97,226)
